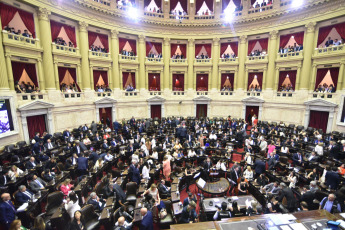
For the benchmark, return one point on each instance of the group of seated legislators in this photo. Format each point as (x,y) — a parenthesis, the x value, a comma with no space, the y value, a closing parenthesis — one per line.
(98,49)
(22,87)
(286,88)
(257,53)
(132,170)
(18,32)
(71,88)
(325,88)
(102,88)
(291,49)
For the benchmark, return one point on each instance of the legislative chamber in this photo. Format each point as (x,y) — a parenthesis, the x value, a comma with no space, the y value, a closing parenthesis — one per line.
(172,114)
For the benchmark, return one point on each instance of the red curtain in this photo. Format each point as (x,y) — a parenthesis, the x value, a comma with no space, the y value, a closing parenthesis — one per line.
(251,78)
(178,82)
(209,4)
(252,110)
(157,45)
(198,48)
(224,46)
(36,124)
(202,82)
(320,74)
(96,74)
(252,2)
(72,71)
(106,113)
(125,77)
(201,110)
(156,111)
(292,75)
(102,37)
(263,42)
(340,29)
(184,3)
(154,82)
(70,31)
(56,28)
(198,4)
(8,12)
(92,38)
(18,67)
(224,78)
(132,43)
(284,39)
(182,48)
(323,33)
(225,4)
(159,3)
(334,75)
(146,3)
(318,120)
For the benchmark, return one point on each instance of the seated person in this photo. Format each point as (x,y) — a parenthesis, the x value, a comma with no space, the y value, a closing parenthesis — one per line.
(97,203)
(222,212)
(189,199)
(66,186)
(37,184)
(188,213)
(23,195)
(122,224)
(72,204)
(163,189)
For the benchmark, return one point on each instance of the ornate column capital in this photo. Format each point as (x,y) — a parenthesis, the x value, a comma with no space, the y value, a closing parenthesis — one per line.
(83,26)
(8,55)
(78,65)
(274,35)
(166,41)
(114,34)
(39,60)
(216,41)
(141,38)
(314,65)
(310,27)
(191,41)
(43,14)
(243,39)
(277,67)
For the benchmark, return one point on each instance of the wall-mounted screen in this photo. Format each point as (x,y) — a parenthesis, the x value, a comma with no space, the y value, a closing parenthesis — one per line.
(6,122)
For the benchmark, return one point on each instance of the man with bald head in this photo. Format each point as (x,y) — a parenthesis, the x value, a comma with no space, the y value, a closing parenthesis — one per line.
(147,222)
(7,211)
(122,224)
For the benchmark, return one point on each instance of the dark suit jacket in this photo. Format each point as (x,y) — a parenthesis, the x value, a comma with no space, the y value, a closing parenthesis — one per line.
(206,166)
(29,165)
(308,197)
(147,222)
(259,166)
(120,194)
(290,198)
(95,204)
(22,198)
(82,163)
(332,179)
(296,159)
(162,189)
(2,180)
(7,213)
(34,186)
(107,192)
(93,157)
(186,201)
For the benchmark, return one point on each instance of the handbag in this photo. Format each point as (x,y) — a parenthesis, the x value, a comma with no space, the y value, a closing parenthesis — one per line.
(163,213)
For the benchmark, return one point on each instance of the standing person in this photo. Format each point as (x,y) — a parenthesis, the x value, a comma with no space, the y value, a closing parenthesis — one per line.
(166,167)
(147,222)
(189,175)
(7,211)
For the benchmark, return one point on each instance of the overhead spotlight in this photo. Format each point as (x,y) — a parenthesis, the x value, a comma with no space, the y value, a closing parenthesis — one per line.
(297,3)
(132,12)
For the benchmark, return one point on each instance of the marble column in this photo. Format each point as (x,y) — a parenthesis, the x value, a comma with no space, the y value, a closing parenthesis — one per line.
(115,57)
(242,57)
(272,47)
(142,56)
(215,59)
(84,52)
(191,56)
(308,49)
(166,58)
(4,85)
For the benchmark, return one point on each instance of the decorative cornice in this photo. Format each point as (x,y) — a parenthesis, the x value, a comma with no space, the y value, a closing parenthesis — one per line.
(274,35)
(310,27)
(43,14)
(83,26)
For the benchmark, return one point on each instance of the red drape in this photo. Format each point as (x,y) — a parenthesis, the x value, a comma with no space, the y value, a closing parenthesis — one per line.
(284,39)
(224,46)
(132,43)
(202,82)
(182,48)
(72,71)
(156,111)
(263,42)
(18,68)
(324,32)
(252,2)
(318,120)
(96,74)
(36,124)
(125,77)
(198,4)
(154,82)
(157,45)
(178,82)
(146,3)
(292,75)
(251,110)
(208,49)
(106,113)
(184,3)
(320,74)
(201,110)
(251,78)
(334,75)
(102,37)
(7,13)
(224,78)
(56,28)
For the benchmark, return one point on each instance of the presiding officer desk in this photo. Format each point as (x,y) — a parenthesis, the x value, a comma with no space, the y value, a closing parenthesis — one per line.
(242,223)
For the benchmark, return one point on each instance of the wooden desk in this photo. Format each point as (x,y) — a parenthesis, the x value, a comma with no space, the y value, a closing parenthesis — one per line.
(200,226)
(241,202)
(110,202)
(215,188)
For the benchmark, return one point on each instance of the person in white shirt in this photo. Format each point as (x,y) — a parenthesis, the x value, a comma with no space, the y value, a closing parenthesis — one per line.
(154,155)
(98,164)
(284,149)
(108,157)
(191,153)
(248,159)
(14,172)
(319,149)
(135,156)
(248,173)
(121,222)
(146,171)
(263,145)
(72,204)
(293,179)
(213,136)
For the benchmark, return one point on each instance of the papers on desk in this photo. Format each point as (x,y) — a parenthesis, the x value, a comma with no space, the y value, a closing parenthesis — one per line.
(234,198)
(285,227)
(280,219)
(342,215)
(23,207)
(298,226)
(201,183)
(216,200)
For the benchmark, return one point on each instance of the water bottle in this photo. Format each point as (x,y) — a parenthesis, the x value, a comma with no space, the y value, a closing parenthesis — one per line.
(39,193)
(89,174)
(53,180)
(108,212)
(61,173)
(0,168)
(26,171)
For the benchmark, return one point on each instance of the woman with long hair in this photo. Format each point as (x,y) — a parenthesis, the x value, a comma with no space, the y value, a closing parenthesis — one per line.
(78,222)
(39,224)
(166,167)
(17,225)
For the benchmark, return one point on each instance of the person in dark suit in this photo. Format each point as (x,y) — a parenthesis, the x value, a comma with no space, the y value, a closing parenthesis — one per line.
(37,184)
(188,213)
(23,195)
(97,137)
(93,127)
(308,197)
(37,138)
(4,179)
(93,156)
(135,173)
(334,150)
(132,121)
(38,147)
(147,221)
(7,211)
(82,164)
(329,42)
(49,145)
(120,194)
(288,194)
(189,199)
(77,148)
(206,168)
(260,167)
(116,126)
(96,202)
(234,175)
(108,191)
(163,189)
(105,145)
(332,179)
(31,164)
(66,134)
(297,159)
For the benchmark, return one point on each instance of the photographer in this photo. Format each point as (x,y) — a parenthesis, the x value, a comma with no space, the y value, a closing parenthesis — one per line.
(222,212)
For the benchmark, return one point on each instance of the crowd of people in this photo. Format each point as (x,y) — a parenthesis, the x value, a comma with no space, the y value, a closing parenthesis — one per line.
(227,88)
(255,88)
(178,13)
(102,88)
(263,4)
(127,53)
(178,56)
(227,56)
(330,42)
(291,49)
(256,53)
(325,88)
(129,88)
(71,88)
(152,55)
(202,56)
(11,30)
(60,41)
(154,10)
(22,87)
(286,88)
(205,13)
(98,49)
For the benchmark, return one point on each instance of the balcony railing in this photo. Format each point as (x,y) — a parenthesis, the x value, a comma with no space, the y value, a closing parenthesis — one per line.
(98,54)
(257,58)
(290,55)
(73,95)
(197,61)
(201,93)
(228,60)
(254,93)
(130,93)
(203,17)
(104,2)
(153,14)
(285,94)
(177,61)
(155,93)
(60,48)
(236,13)
(154,59)
(9,37)
(124,8)
(260,9)
(226,93)
(103,94)
(179,17)
(179,93)
(285,2)
(322,95)
(30,96)
(329,50)
(127,58)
